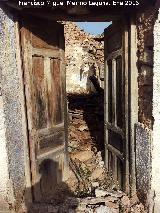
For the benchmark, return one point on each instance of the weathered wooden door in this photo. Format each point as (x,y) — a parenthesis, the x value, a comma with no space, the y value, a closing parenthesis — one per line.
(116,102)
(44,79)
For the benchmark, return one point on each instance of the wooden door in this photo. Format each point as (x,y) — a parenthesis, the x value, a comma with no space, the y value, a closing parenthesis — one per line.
(116,102)
(44,79)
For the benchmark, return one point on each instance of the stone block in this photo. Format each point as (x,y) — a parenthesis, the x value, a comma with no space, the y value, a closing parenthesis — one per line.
(145,76)
(145,92)
(148,37)
(148,57)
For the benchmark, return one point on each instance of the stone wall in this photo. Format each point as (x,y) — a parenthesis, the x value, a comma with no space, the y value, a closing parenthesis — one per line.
(145,24)
(84,58)
(149,93)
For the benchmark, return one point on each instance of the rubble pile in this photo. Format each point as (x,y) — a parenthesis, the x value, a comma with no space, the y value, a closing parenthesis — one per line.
(84,57)
(86,115)
(90,187)
(112,202)
(86,141)
(94,188)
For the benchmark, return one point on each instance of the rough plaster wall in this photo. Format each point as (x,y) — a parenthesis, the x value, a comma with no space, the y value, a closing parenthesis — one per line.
(6,195)
(143,162)
(76,82)
(11,94)
(156,115)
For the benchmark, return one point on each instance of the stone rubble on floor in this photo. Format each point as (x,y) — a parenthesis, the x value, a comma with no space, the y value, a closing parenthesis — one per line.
(113,202)
(91,188)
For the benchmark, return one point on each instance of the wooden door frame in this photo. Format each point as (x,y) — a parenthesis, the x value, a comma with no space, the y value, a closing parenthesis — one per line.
(131,105)
(28,186)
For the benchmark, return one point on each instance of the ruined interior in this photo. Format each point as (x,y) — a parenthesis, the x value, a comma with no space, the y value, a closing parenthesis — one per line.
(94,170)
(98,162)
(84,64)
(84,140)
(85,92)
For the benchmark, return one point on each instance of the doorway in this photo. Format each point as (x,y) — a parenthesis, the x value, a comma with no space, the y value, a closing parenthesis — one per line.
(99,118)
(98,138)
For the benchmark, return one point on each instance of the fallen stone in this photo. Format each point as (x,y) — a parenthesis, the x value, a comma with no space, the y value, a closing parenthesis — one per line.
(111,199)
(105,209)
(113,205)
(83,127)
(125,201)
(101,164)
(117,194)
(83,155)
(134,200)
(115,187)
(138,209)
(95,184)
(100,193)
(97,174)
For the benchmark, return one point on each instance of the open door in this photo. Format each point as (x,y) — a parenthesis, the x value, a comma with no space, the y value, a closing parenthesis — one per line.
(116,102)
(44,79)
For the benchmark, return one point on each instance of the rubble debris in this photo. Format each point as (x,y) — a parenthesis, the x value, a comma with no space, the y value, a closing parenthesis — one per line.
(91,188)
(100,193)
(86,124)
(94,188)
(107,204)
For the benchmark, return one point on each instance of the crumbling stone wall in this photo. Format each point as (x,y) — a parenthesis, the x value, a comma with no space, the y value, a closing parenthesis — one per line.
(84,58)
(145,24)
(145,146)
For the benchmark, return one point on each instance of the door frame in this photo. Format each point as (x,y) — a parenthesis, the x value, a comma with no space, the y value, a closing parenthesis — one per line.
(27,188)
(133,106)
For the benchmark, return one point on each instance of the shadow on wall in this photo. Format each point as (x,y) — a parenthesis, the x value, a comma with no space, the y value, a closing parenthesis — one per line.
(92,72)
(50,193)
(86,71)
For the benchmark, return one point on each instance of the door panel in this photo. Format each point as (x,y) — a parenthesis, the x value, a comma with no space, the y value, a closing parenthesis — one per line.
(116,102)
(44,78)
